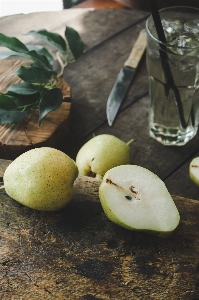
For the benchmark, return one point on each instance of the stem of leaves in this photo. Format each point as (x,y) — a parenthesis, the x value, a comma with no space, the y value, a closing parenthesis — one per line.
(38,89)
(61,63)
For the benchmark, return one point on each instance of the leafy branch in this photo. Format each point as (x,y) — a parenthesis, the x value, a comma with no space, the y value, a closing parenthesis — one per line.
(38,89)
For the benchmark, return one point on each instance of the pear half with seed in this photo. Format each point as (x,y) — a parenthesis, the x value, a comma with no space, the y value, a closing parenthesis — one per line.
(137,199)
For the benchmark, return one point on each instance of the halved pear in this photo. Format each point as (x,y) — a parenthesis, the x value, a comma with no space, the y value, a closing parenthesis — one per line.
(194,170)
(137,199)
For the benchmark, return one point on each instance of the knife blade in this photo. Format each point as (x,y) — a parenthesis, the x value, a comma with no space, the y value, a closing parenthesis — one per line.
(125,78)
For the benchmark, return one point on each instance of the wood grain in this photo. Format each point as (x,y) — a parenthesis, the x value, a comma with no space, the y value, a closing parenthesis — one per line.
(79,19)
(3,165)
(137,51)
(22,136)
(77,253)
(91,79)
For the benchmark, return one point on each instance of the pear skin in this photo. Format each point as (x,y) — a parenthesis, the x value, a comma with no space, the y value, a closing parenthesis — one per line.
(102,153)
(41,178)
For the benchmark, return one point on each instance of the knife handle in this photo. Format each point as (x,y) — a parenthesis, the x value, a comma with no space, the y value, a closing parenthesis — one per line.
(137,50)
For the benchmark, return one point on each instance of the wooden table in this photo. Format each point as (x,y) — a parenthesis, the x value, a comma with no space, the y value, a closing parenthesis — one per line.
(109,35)
(48,256)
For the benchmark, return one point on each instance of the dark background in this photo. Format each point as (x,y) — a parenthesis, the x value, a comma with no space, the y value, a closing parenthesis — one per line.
(143,4)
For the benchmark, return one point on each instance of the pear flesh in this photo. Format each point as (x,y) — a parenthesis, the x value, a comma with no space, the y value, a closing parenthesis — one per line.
(102,153)
(137,199)
(194,170)
(41,178)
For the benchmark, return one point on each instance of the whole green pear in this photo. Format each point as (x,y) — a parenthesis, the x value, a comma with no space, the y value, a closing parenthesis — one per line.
(41,178)
(102,153)
(194,170)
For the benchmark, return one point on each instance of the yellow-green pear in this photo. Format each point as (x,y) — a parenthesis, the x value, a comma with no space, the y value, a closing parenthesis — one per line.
(102,153)
(41,178)
(194,170)
(137,199)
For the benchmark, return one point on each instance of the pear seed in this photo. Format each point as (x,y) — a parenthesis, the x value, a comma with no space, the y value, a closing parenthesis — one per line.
(128,197)
(110,182)
(134,190)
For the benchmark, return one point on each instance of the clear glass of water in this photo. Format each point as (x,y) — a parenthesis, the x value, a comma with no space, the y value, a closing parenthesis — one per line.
(173,69)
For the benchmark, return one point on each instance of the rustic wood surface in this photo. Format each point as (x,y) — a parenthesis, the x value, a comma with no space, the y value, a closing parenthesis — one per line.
(17,138)
(91,79)
(103,63)
(77,253)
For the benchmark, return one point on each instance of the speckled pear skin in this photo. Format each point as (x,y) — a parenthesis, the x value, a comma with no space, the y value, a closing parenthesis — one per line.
(41,178)
(100,154)
(194,170)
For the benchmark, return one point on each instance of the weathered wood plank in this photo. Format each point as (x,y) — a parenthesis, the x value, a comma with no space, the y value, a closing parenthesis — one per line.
(92,79)
(78,253)
(79,19)
(3,165)
(179,183)
(17,25)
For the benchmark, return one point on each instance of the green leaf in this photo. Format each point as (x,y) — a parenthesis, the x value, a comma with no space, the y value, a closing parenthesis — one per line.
(9,112)
(24,102)
(23,88)
(41,51)
(50,101)
(29,55)
(41,60)
(12,43)
(34,74)
(75,42)
(7,53)
(53,39)
(30,102)
(36,53)
(13,116)
(7,102)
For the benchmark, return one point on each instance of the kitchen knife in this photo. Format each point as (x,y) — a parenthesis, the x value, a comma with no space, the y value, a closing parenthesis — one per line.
(125,77)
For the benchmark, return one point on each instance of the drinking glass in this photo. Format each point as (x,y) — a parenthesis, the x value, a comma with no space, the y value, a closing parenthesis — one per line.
(173,69)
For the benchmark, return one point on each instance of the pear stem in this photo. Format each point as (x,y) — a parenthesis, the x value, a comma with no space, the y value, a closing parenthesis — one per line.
(130,142)
(2,187)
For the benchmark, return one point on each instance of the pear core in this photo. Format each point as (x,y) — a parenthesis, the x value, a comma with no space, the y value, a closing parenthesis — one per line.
(137,199)
(41,178)
(102,153)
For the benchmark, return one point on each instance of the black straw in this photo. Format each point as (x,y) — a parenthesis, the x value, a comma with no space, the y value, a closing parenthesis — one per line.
(157,21)
(165,60)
